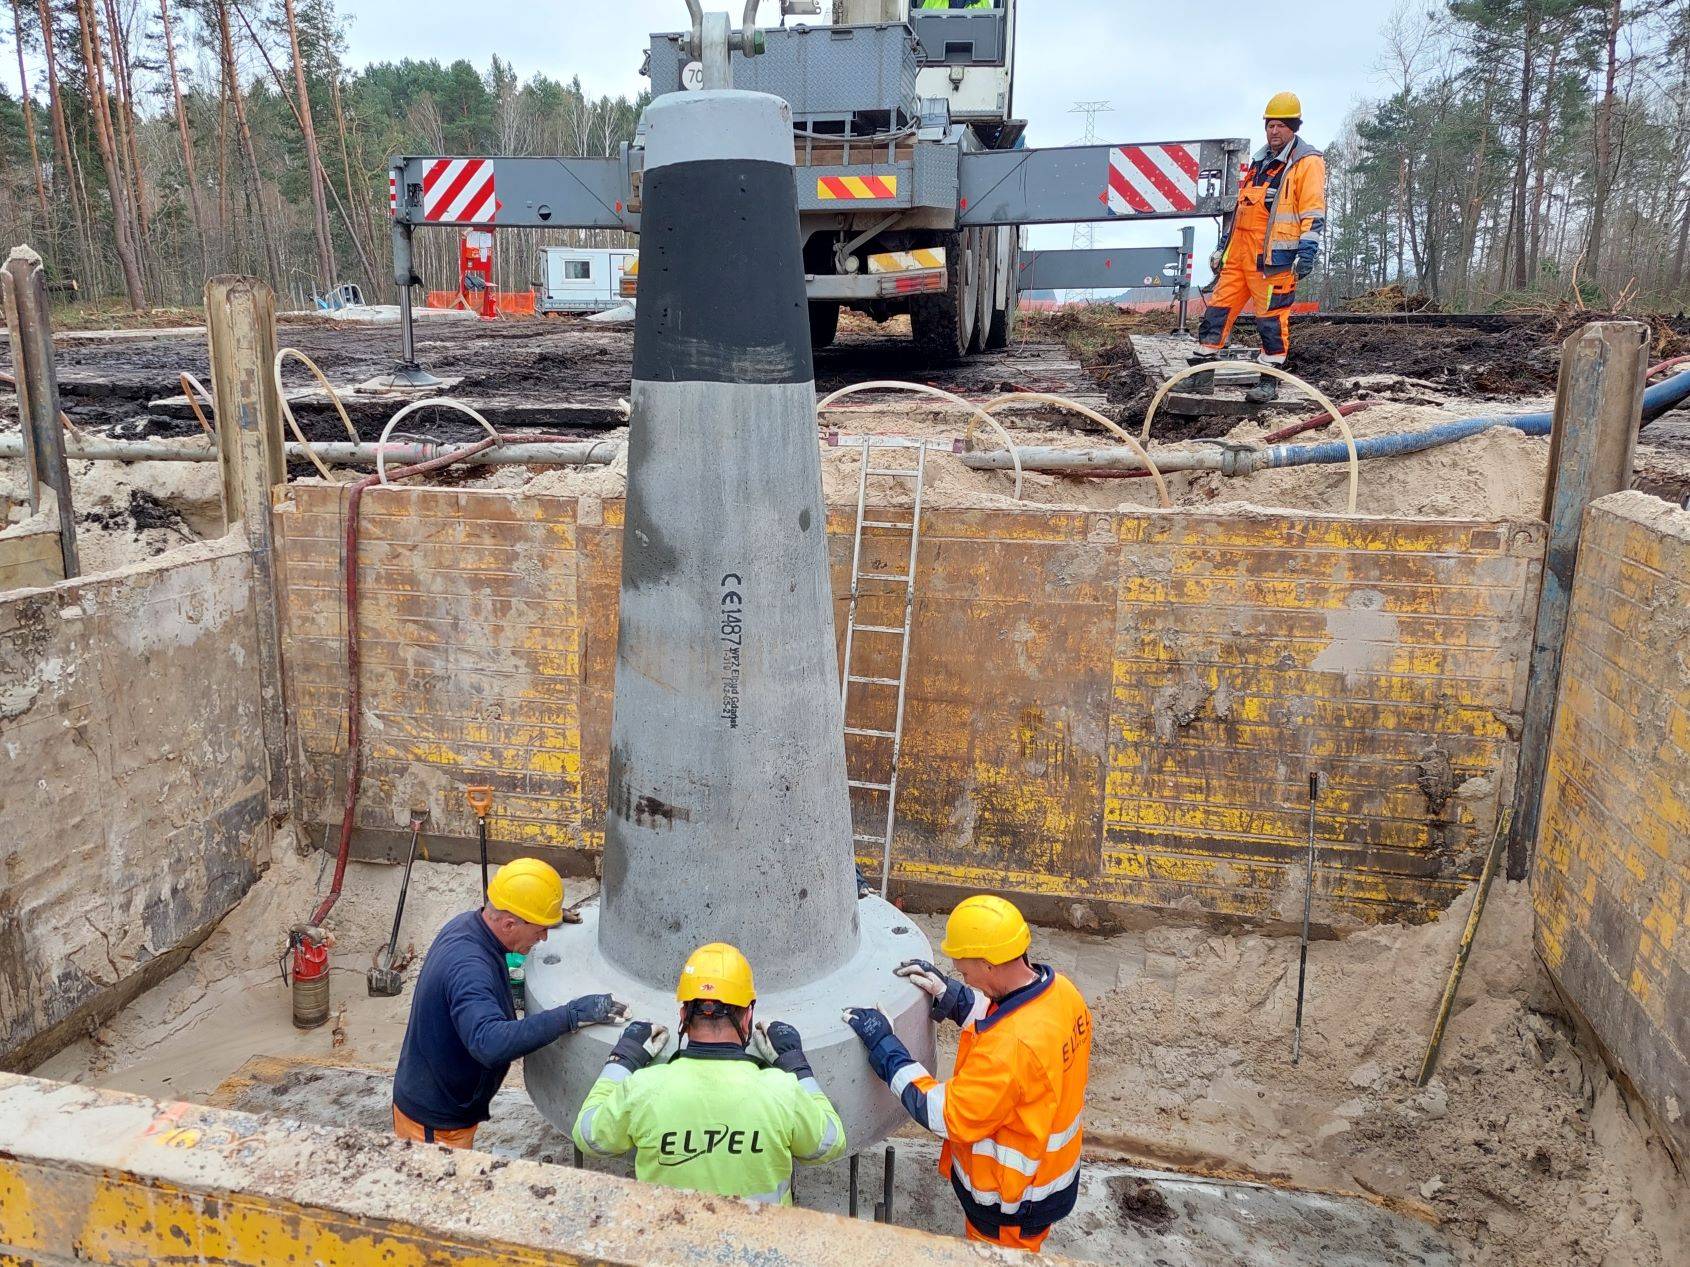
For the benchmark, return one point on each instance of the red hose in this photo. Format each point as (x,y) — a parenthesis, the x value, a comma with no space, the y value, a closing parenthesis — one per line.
(1319,420)
(354,757)
(1664,366)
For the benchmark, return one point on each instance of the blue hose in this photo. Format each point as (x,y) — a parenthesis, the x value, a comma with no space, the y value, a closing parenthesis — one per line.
(1663,396)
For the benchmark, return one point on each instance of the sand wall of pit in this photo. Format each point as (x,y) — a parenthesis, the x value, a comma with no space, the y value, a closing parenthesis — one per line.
(1105,711)
(1612,881)
(134,795)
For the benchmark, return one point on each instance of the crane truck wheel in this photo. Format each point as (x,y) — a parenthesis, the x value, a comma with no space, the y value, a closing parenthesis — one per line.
(824,325)
(1009,288)
(943,324)
(986,257)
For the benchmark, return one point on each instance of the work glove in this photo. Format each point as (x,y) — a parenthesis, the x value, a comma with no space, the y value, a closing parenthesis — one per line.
(593,1009)
(1216,259)
(886,1052)
(1307,253)
(779,1046)
(640,1044)
(869,1024)
(950,996)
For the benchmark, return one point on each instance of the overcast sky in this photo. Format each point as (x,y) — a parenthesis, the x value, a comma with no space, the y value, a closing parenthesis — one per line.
(1171,69)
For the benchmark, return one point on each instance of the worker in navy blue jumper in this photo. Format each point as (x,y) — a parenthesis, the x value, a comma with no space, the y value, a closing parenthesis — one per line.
(464,1031)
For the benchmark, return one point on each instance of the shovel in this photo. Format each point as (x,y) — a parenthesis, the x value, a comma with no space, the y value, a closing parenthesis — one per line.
(385,981)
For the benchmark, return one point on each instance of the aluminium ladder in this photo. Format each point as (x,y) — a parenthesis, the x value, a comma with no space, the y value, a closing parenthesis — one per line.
(900,632)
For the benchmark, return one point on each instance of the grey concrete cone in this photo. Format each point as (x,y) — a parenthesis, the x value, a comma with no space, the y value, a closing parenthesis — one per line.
(728,816)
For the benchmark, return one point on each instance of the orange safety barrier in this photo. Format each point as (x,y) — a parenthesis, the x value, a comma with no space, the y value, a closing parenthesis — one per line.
(512,303)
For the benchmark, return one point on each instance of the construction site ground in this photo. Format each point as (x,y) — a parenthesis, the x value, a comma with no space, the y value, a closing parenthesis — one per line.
(570,376)
(1519,1151)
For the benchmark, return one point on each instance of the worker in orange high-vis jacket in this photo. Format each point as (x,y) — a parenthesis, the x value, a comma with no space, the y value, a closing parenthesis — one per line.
(1274,243)
(1009,1114)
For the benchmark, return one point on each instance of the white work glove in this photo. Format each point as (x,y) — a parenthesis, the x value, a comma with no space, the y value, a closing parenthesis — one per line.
(950,998)
(760,1046)
(1216,259)
(923,976)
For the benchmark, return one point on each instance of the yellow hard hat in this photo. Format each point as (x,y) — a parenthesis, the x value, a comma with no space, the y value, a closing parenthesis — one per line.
(719,972)
(1283,106)
(530,890)
(986,927)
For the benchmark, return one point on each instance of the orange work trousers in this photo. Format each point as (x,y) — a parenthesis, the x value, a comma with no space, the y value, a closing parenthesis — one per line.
(407,1128)
(1010,1237)
(1241,282)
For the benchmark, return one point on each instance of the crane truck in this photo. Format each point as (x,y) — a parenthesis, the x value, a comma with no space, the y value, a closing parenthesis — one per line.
(914,180)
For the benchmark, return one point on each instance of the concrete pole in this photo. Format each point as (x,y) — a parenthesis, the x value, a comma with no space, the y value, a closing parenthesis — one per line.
(240,318)
(30,327)
(1598,407)
(728,817)
(727,766)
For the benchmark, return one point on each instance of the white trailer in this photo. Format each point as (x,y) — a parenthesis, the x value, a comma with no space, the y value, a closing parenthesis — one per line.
(584,279)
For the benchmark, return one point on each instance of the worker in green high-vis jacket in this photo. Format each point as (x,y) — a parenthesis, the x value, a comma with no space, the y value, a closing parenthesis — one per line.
(734,1109)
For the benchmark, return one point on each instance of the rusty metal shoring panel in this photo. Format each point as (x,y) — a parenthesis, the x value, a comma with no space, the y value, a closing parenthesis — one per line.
(889,789)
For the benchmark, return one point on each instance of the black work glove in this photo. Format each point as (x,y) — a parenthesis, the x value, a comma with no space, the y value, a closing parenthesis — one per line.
(782,1048)
(592,1009)
(639,1045)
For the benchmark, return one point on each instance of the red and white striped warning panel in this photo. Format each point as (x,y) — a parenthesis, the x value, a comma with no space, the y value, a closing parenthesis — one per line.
(460,191)
(1152,178)
(392,195)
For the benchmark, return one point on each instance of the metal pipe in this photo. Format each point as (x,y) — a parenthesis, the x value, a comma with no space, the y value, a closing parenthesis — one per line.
(1119,457)
(339,453)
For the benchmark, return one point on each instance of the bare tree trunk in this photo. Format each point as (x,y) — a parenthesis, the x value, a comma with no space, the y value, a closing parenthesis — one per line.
(194,213)
(123,222)
(1522,160)
(225,227)
(1534,258)
(1682,255)
(356,199)
(124,90)
(308,128)
(1473,206)
(253,175)
(1604,140)
(319,173)
(61,141)
(29,125)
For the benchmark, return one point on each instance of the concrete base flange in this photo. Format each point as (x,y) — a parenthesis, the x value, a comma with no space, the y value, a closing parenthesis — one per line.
(569,964)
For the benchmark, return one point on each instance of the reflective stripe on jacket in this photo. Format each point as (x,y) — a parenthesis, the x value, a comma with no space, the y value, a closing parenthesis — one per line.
(712,1120)
(1010,1112)
(1281,203)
